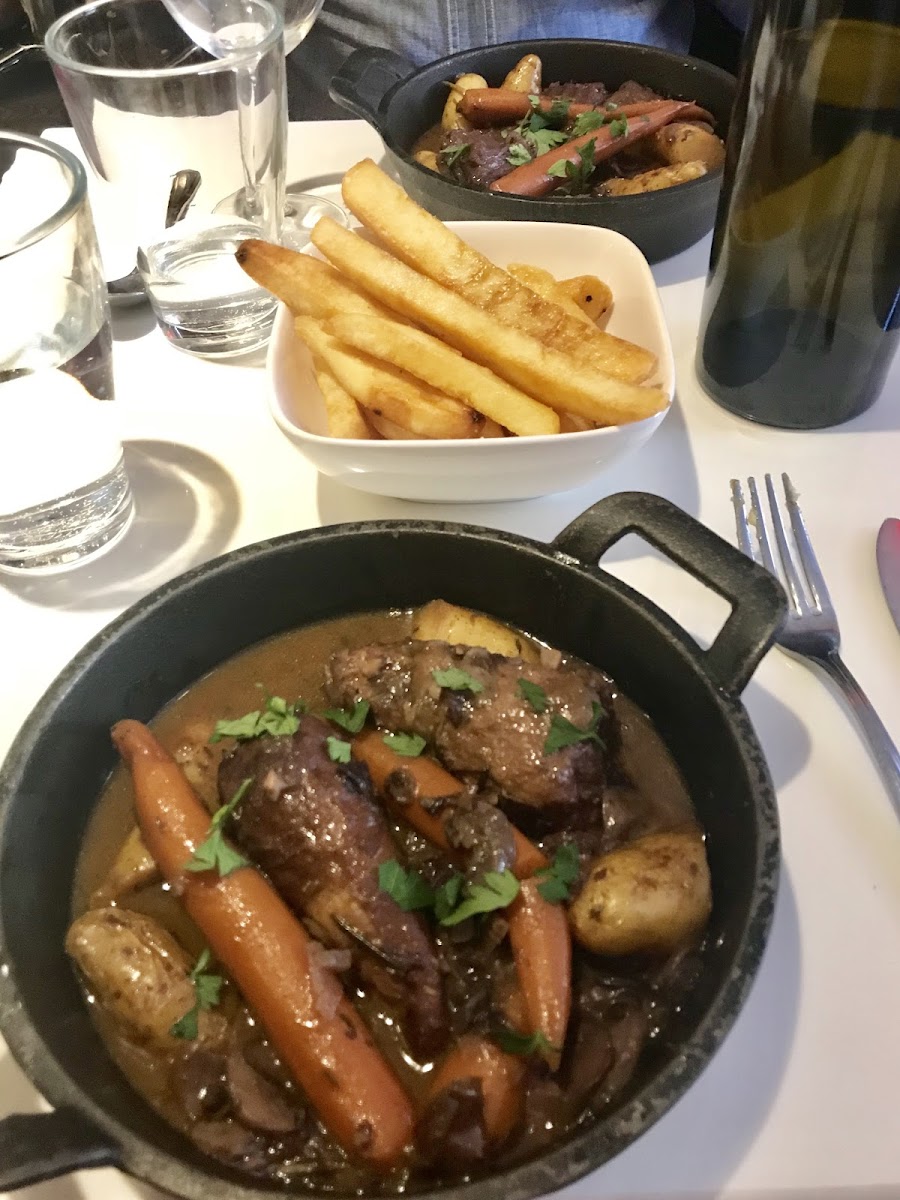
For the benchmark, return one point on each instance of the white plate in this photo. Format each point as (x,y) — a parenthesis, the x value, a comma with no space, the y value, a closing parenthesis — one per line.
(509,468)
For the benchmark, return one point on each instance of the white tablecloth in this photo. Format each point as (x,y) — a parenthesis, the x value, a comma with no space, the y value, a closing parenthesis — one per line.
(802,1100)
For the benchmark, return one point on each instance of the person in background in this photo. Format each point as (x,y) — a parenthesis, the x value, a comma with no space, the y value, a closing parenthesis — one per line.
(424,30)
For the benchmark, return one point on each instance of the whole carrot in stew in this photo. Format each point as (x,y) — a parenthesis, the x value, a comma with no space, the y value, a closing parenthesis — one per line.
(429,782)
(486,107)
(542,951)
(500,1075)
(272,960)
(538,930)
(535,178)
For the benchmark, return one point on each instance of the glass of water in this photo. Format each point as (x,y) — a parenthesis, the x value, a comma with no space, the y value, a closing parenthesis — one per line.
(148,104)
(64,494)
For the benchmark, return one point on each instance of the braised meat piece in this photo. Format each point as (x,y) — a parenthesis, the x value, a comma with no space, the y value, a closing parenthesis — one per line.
(496,730)
(632,93)
(478,157)
(315,829)
(577,93)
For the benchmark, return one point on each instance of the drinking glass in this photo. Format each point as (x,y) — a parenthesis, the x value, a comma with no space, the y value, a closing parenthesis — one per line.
(64,494)
(210,24)
(147,103)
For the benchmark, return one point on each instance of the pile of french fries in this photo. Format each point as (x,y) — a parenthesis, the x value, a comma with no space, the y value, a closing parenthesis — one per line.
(414,334)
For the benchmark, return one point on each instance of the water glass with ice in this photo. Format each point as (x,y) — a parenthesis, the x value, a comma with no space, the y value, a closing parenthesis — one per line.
(64,494)
(147,103)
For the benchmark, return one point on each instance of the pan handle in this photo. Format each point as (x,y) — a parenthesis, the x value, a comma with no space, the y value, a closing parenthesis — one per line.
(364,79)
(39,1146)
(758,603)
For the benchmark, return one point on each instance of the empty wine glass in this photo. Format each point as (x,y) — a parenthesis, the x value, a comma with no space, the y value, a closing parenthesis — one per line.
(218,26)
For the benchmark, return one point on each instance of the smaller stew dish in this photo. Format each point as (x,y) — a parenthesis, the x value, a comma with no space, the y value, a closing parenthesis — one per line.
(576,139)
(412,929)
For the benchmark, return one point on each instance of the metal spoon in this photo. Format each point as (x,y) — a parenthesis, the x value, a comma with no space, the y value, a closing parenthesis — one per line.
(130,288)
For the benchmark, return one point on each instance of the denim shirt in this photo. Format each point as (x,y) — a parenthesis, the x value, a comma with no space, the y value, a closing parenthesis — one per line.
(423,30)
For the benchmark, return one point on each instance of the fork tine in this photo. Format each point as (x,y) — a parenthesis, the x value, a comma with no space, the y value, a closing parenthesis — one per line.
(741,524)
(808,558)
(790,571)
(762,533)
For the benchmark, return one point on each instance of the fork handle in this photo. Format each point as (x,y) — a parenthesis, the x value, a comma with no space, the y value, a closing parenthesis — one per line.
(885,753)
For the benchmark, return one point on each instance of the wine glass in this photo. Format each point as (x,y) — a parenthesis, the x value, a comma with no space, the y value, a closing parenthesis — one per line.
(218,26)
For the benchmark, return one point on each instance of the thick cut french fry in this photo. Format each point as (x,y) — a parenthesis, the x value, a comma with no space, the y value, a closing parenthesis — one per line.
(345,420)
(425,243)
(431,361)
(387,391)
(592,295)
(571,423)
(546,285)
(391,431)
(308,286)
(539,370)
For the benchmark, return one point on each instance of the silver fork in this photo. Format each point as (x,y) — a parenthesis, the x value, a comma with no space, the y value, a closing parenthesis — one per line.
(811,628)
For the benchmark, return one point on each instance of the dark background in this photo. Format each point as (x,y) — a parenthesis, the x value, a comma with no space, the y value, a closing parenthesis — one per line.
(30,102)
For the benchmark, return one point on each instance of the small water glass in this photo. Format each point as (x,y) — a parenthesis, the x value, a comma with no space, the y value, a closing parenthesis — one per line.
(64,494)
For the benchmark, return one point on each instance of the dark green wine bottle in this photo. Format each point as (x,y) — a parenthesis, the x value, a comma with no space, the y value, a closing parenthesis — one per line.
(801,316)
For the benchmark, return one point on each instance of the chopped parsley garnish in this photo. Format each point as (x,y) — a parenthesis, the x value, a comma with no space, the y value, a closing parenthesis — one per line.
(576,174)
(555,882)
(350,719)
(563,733)
(407,888)
(618,128)
(454,901)
(525,1044)
(409,745)
(518,155)
(338,749)
(277,717)
(586,122)
(456,680)
(207,988)
(452,154)
(534,694)
(215,854)
(610,106)
(495,889)
(554,118)
(547,139)
(447,896)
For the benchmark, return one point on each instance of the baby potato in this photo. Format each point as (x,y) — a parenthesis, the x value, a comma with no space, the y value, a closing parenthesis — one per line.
(652,181)
(645,897)
(427,158)
(439,621)
(525,76)
(684,142)
(133,867)
(451,119)
(139,975)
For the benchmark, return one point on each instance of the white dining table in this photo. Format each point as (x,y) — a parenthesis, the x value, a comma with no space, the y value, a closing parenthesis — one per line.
(801,1102)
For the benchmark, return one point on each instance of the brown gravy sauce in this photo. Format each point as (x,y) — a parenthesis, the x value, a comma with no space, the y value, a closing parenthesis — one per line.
(291,666)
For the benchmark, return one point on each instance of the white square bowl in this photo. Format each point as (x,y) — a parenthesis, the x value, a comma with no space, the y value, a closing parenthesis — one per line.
(479,469)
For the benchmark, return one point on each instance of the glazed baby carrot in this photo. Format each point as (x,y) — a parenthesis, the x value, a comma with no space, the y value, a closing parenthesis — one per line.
(486,107)
(542,951)
(535,177)
(431,782)
(269,956)
(500,1075)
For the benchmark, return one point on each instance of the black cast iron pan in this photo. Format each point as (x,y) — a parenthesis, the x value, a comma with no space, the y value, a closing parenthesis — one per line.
(58,765)
(402,102)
